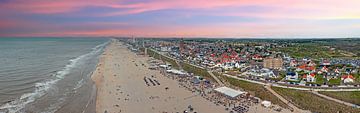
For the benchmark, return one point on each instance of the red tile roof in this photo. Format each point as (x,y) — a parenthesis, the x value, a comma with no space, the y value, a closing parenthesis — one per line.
(312,74)
(347,76)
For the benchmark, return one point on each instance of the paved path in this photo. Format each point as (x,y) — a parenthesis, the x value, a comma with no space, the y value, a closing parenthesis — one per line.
(275,84)
(291,87)
(179,65)
(216,78)
(177,62)
(336,100)
(268,87)
(293,107)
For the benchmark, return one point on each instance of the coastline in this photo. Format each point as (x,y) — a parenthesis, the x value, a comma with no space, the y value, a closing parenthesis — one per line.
(97,80)
(119,78)
(120,86)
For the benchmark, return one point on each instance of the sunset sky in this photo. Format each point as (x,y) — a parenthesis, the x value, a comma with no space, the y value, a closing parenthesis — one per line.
(181,18)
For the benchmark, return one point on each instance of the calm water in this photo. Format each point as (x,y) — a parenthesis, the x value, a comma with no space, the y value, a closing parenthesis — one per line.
(46,75)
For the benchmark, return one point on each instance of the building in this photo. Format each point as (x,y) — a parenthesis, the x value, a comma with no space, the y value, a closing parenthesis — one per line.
(182,45)
(229,92)
(273,63)
(347,79)
(311,77)
(292,76)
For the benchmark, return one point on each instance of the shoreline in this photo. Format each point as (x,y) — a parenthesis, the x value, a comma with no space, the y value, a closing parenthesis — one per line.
(121,88)
(95,80)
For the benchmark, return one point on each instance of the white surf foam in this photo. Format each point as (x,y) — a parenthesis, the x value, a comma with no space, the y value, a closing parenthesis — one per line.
(42,88)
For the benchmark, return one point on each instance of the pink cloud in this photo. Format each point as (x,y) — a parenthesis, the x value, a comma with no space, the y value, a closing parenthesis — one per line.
(278,9)
(321,9)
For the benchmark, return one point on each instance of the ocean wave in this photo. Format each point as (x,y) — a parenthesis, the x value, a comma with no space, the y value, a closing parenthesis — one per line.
(42,88)
(79,84)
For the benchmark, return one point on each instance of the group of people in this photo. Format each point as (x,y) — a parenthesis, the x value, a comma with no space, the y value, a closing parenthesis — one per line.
(240,104)
(205,90)
(154,82)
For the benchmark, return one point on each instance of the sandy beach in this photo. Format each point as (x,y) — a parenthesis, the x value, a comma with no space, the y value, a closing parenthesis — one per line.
(119,78)
(121,88)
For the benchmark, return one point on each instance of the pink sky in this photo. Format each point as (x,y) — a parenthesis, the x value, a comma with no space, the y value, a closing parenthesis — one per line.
(181,18)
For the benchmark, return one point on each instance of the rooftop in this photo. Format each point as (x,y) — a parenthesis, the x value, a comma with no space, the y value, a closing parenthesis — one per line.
(229,92)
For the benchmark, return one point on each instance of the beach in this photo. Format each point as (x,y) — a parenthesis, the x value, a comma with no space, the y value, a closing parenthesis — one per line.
(121,88)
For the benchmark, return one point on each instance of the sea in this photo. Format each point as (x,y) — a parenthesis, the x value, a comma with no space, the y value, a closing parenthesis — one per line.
(48,75)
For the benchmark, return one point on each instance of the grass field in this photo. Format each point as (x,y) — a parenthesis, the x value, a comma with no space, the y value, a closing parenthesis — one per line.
(334,81)
(352,96)
(161,57)
(197,71)
(308,101)
(311,50)
(257,89)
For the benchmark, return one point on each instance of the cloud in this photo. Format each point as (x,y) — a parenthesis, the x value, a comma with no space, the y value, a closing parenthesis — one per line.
(145,17)
(319,9)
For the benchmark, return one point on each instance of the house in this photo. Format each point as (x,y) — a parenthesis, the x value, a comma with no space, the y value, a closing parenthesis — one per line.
(347,79)
(264,72)
(311,63)
(237,65)
(310,77)
(292,76)
(326,63)
(304,67)
(293,63)
(257,57)
(323,70)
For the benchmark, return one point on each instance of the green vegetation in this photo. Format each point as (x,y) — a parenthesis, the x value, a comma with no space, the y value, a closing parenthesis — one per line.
(187,67)
(162,57)
(152,53)
(171,61)
(312,102)
(357,78)
(312,50)
(319,79)
(334,81)
(259,90)
(196,70)
(348,96)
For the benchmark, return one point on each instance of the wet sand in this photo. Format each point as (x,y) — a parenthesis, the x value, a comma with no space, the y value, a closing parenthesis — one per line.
(119,78)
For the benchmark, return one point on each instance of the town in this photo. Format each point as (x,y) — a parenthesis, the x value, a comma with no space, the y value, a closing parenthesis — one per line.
(275,63)
(260,61)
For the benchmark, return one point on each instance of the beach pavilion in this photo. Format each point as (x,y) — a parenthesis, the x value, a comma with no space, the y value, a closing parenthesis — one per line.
(229,92)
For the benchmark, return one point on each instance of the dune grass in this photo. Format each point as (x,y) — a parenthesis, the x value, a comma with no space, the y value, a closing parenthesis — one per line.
(257,89)
(162,57)
(308,101)
(348,96)
(197,71)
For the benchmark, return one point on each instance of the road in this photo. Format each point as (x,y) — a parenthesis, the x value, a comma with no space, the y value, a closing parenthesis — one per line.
(210,72)
(291,87)
(273,84)
(268,87)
